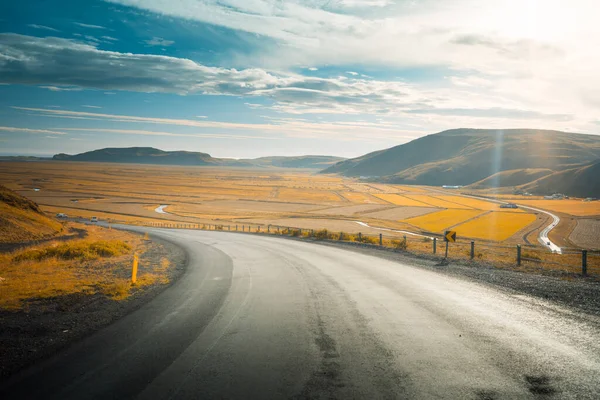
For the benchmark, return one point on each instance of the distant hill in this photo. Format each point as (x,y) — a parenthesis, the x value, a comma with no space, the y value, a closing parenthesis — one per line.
(467,156)
(150,155)
(22,220)
(142,155)
(513,177)
(577,182)
(313,162)
(23,158)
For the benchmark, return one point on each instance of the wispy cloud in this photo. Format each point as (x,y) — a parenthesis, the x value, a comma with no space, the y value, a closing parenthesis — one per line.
(43,27)
(62,88)
(74,65)
(89,25)
(275,128)
(170,134)
(157,41)
(28,130)
(88,106)
(352,73)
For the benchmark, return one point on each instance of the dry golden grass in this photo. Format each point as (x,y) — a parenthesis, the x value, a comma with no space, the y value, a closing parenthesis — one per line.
(571,206)
(435,202)
(476,204)
(439,221)
(496,226)
(100,263)
(412,189)
(314,196)
(22,225)
(400,200)
(200,195)
(362,198)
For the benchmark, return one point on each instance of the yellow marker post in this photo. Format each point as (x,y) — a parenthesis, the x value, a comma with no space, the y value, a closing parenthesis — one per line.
(134,268)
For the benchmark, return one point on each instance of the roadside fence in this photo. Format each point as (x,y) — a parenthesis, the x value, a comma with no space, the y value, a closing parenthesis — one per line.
(522,257)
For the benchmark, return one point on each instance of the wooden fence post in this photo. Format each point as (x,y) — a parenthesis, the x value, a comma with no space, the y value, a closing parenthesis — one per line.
(472,250)
(584,262)
(381,239)
(434,245)
(519,255)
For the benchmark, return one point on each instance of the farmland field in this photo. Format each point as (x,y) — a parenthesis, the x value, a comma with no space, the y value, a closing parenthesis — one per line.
(401,200)
(497,226)
(587,233)
(572,207)
(438,222)
(200,195)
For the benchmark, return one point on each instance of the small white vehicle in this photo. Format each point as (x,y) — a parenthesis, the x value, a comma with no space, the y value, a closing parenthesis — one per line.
(61,215)
(94,219)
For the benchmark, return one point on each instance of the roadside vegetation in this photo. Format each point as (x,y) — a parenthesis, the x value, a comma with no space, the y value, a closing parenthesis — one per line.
(99,264)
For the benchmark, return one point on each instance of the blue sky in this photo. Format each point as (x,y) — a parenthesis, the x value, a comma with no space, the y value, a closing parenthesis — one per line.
(249,78)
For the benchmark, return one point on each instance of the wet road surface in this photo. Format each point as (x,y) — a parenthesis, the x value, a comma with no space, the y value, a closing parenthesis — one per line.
(264,317)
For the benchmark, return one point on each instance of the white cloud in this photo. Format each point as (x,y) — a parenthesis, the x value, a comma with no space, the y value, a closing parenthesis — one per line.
(313,69)
(276,128)
(201,116)
(27,130)
(88,106)
(89,25)
(352,73)
(170,134)
(61,88)
(539,54)
(43,27)
(157,41)
(471,97)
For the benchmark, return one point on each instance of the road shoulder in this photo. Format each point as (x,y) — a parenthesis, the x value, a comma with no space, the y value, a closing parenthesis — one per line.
(52,324)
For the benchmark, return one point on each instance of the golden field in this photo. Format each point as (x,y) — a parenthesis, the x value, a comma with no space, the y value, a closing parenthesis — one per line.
(439,221)
(200,195)
(496,226)
(572,207)
(97,263)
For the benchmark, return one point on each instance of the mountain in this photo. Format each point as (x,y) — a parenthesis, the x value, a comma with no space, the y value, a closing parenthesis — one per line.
(142,155)
(513,177)
(313,162)
(466,156)
(22,220)
(578,182)
(150,155)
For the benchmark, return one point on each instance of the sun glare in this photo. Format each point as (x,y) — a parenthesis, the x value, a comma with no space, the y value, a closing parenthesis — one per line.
(540,20)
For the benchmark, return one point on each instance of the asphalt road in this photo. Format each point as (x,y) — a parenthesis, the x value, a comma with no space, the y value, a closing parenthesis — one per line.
(264,317)
(543,236)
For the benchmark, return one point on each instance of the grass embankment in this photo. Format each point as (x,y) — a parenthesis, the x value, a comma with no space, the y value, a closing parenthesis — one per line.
(98,264)
(22,220)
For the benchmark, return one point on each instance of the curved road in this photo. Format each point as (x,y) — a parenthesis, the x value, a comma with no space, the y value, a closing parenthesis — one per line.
(263,317)
(543,236)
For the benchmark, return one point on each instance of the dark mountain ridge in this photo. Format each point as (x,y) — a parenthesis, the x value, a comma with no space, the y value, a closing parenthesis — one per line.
(150,155)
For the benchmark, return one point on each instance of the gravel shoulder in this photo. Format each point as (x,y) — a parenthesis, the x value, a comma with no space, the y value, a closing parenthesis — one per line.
(49,325)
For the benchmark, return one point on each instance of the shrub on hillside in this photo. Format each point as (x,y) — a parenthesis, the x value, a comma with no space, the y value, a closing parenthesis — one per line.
(322,234)
(79,250)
